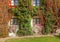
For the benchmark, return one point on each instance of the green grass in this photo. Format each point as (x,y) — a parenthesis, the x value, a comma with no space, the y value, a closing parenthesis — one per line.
(35,39)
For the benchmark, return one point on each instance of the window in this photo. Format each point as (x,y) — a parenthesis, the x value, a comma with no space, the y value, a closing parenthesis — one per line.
(14,21)
(36,2)
(36,20)
(14,2)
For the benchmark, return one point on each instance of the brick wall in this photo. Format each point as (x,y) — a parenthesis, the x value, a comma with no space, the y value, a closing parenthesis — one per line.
(4,18)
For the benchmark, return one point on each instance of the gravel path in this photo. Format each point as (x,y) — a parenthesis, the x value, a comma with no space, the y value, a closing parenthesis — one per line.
(4,39)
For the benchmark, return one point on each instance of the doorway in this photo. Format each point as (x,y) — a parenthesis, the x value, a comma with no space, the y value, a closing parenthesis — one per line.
(13,27)
(37,27)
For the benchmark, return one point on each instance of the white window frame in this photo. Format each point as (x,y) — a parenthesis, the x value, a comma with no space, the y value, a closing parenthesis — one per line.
(14,21)
(36,20)
(36,2)
(12,2)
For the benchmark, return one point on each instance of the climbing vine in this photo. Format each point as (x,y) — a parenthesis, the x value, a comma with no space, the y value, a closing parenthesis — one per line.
(24,15)
(49,17)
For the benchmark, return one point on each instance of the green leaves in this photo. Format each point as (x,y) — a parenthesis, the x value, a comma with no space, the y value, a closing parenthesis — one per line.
(50,20)
(23,15)
(34,11)
(42,2)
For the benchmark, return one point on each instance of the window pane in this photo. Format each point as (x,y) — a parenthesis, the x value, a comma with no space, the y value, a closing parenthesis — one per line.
(12,2)
(16,2)
(36,2)
(36,20)
(14,21)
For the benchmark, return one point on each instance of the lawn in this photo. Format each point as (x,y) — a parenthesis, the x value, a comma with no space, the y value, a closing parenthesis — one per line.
(35,39)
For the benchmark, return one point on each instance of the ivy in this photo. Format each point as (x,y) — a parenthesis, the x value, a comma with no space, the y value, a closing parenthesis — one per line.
(50,20)
(23,15)
(34,11)
(49,17)
(42,2)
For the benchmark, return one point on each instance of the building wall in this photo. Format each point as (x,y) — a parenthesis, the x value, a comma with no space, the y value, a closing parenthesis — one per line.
(4,17)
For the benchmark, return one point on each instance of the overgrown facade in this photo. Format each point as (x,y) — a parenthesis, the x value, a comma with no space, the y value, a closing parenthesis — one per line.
(9,21)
